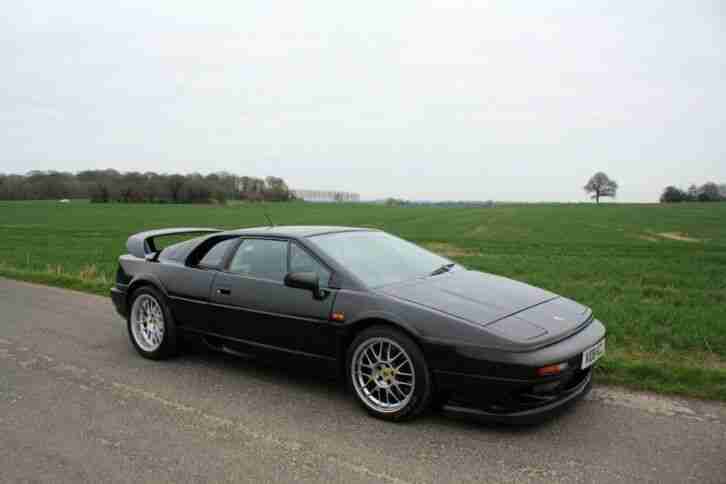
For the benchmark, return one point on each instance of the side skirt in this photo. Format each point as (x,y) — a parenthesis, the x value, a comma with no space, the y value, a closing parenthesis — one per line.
(274,354)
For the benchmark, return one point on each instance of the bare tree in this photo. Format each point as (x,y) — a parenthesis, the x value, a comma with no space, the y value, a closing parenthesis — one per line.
(600,185)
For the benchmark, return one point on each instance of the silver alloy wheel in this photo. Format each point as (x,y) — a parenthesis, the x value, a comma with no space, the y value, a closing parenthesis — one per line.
(383,374)
(147,323)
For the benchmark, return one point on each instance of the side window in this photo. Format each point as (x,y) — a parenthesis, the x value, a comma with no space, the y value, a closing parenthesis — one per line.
(301,261)
(266,259)
(213,258)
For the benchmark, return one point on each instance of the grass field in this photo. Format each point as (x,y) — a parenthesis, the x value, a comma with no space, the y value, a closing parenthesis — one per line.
(656,275)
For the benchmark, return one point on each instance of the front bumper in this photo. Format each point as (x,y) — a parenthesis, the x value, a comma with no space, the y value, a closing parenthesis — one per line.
(504,386)
(119,301)
(525,406)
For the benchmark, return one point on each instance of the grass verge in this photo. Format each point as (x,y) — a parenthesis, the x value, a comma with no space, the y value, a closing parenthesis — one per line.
(686,379)
(54,277)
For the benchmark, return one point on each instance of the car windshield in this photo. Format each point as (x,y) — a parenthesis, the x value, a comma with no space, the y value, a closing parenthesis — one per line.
(378,258)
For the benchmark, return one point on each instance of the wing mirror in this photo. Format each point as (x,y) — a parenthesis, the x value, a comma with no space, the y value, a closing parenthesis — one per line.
(305,280)
(152,256)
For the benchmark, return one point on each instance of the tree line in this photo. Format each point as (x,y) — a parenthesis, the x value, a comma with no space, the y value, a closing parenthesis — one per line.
(708,192)
(134,187)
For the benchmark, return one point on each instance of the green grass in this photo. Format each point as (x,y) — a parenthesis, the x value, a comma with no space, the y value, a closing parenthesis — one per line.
(662,300)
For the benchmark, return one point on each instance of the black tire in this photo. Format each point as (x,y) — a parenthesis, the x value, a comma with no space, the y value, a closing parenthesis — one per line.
(169,345)
(423,387)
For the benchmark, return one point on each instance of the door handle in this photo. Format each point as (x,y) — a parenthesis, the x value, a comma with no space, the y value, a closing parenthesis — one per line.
(223,291)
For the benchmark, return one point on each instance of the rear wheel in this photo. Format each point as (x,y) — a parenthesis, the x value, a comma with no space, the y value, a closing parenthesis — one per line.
(388,374)
(151,326)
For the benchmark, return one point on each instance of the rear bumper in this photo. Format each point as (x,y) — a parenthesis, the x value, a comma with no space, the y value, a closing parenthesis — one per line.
(119,301)
(524,406)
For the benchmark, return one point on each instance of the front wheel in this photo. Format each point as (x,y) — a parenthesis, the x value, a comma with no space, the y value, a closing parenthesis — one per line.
(388,374)
(150,324)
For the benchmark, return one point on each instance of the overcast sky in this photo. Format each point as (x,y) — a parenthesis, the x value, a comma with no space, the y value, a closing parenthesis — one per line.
(441,100)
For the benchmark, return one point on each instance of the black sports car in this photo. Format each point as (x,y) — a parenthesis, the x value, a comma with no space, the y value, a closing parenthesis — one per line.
(403,325)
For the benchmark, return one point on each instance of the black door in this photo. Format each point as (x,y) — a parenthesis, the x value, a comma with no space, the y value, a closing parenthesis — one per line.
(188,286)
(257,307)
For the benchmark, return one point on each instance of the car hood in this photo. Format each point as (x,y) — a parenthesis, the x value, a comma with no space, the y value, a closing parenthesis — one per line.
(510,309)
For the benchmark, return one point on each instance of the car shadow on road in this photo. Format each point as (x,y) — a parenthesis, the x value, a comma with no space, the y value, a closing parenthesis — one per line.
(323,386)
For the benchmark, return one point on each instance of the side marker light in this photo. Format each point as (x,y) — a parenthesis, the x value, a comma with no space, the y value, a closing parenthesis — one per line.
(550,370)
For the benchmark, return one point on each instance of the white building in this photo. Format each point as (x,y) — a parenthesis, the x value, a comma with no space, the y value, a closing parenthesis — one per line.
(325,196)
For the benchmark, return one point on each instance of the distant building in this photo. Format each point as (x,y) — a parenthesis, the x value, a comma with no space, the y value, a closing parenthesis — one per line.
(325,196)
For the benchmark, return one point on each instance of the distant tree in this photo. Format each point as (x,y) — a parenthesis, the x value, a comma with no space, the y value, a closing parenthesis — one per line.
(395,202)
(223,185)
(51,184)
(709,192)
(251,188)
(258,189)
(195,191)
(219,196)
(673,194)
(276,189)
(99,193)
(175,183)
(135,187)
(693,192)
(600,185)
(243,186)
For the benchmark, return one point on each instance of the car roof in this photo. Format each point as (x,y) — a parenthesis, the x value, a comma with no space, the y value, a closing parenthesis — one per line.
(298,231)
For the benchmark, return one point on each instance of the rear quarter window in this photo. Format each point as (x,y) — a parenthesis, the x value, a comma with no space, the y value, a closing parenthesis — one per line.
(179,251)
(215,255)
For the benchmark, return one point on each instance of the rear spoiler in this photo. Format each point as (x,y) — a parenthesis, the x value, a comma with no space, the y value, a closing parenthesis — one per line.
(142,244)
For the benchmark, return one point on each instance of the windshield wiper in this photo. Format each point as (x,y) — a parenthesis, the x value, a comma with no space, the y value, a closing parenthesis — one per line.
(442,269)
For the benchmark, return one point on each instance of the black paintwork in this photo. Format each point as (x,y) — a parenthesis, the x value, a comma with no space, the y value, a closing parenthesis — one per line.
(483,336)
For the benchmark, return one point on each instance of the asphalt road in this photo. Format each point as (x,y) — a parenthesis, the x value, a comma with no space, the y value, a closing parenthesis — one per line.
(78,404)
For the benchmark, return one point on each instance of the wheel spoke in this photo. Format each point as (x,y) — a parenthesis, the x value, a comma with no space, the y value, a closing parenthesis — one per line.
(395,358)
(373,385)
(372,356)
(375,393)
